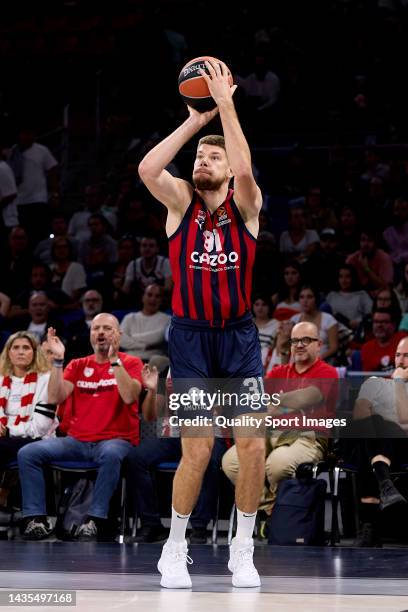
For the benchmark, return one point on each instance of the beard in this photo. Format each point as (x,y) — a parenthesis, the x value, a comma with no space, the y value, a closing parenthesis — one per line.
(204,182)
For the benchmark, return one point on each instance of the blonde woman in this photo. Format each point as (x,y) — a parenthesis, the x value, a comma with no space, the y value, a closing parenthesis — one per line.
(25,415)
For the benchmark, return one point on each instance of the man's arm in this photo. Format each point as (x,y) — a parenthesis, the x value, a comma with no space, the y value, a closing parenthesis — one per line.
(400,375)
(247,194)
(58,388)
(300,399)
(173,192)
(129,388)
(150,378)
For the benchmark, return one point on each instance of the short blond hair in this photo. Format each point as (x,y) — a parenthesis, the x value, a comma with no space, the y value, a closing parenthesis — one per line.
(39,364)
(213,139)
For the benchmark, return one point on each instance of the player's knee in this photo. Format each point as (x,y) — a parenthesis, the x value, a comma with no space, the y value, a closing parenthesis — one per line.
(252,450)
(197,454)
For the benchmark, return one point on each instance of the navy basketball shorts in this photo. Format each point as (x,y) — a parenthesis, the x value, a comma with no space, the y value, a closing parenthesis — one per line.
(216,368)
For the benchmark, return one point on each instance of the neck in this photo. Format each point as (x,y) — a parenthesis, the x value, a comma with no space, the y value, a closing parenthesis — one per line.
(19,372)
(303,366)
(261,320)
(101,357)
(214,199)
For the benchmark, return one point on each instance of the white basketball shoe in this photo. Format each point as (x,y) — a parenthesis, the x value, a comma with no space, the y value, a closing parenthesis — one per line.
(173,566)
(241,564)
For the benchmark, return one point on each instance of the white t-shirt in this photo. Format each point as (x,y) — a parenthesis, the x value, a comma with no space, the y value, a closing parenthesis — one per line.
(37,161)
(380,392)
(144,335)
(267,334)
(327,321)
(38,330)
(287,246)
(7,188)
(135,271)
(78,226)
(74,278)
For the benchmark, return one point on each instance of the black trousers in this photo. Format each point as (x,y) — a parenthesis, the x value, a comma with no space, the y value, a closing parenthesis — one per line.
(9,448)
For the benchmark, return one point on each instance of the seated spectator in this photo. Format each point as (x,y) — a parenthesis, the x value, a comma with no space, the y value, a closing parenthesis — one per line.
(326,259)
(298,242)
(266,325)
(318,215)
(134,220)
(402,289)
(16,263)
(40,281)
(98,240)
(374,266)
(325,322)
(377,355)
(150,268)
(143,332)
(303,390)
(78,228)
(286,301)
(126,254)
(8,192)
(396,235)
(381,414)
(261,86)
(78,343)
(348,231)
(385,298)
(104,427)
(5,304)
(59,229)
(38,317)
(349,303)
(67,275)
(25,414)
(265,255)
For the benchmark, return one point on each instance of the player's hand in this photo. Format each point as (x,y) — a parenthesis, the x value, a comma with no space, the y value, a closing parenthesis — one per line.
(150,377)
(201,119)
(55,344)
(217,80)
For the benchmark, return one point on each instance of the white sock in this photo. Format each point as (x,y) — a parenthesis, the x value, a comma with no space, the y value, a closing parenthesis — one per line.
(178,526)
(245,524)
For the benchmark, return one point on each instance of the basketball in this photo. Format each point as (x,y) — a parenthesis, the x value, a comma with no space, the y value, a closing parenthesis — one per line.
(192,86)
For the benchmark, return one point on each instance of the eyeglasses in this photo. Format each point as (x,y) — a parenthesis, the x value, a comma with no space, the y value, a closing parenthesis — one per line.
(305,341)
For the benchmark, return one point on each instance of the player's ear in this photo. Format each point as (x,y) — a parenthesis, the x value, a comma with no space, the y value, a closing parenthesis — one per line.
(230,173)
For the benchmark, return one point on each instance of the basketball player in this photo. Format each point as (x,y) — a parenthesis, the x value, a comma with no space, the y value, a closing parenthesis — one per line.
(212,232)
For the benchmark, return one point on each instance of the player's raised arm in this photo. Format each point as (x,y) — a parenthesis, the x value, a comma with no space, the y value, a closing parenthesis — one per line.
(247,194)
(173,192)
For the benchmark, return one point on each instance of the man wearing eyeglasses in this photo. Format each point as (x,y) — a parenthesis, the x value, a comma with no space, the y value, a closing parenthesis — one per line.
(307,386)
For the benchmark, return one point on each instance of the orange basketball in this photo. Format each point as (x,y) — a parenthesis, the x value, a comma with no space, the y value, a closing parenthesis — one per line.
(192,86)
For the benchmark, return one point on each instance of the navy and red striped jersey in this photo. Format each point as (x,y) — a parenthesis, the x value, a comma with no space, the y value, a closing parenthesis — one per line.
(212,258)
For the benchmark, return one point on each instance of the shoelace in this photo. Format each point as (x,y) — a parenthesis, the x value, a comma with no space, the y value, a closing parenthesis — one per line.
(244,555)
(182,556)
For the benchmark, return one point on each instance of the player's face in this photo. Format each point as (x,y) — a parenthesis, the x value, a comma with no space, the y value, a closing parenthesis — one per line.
(211,169)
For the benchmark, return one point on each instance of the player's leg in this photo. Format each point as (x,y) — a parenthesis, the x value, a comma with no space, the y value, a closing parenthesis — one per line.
(186,488)
(249,486)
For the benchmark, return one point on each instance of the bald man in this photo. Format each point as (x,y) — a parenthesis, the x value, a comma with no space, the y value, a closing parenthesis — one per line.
(104,389)
(309,385)
(381,416)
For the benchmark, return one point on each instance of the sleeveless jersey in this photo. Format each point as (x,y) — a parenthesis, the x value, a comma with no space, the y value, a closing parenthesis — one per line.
(211,258)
